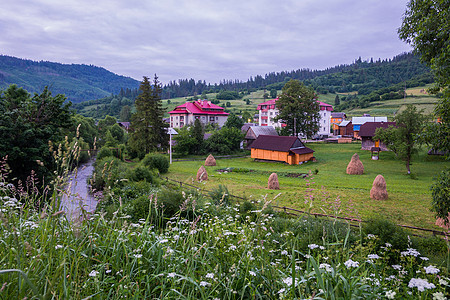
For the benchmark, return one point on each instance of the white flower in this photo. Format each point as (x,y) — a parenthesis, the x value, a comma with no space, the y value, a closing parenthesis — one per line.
(171,275)
(351,264)
(313,246)
(390,294)
(327,267)
(388,245)
(284,252)
(288,281)
(163,241)
(210,275)
(431,270)
(93,273)
(410,251)
(373,256)
(232,247)
(420,284)
(252,273)
(137,255)
(443,281)
(108,271)
(438,296)
(59,247)
(281,291)
(424,258)
(396,267)
(371,236)
(204,283)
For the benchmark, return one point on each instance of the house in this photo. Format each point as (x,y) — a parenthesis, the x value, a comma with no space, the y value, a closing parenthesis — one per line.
(268,111)
(124,125)
(346,128)
(336,119)
(205,111)
(253,132)
(358,121)
(367,132)
(246,126)
(288,149)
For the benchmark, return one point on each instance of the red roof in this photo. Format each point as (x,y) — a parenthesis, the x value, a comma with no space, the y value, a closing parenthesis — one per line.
(272,102)
(200,107)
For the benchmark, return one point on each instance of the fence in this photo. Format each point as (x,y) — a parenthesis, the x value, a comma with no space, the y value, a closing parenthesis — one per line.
(297,212)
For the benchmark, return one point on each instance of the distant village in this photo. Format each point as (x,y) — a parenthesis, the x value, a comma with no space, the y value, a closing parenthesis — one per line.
(262,137)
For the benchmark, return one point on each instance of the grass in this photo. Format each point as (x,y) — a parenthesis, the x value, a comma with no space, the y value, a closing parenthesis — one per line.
(409,199)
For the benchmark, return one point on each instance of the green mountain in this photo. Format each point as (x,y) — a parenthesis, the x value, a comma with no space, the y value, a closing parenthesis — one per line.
(78,82)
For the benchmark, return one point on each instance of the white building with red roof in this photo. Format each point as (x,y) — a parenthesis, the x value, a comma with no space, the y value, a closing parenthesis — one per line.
(268,111)
(205,111)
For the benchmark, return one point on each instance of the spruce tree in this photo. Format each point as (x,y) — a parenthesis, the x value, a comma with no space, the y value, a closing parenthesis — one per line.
(148,130)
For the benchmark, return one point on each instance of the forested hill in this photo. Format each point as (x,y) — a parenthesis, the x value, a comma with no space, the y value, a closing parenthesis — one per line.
(361,76)
(77,82)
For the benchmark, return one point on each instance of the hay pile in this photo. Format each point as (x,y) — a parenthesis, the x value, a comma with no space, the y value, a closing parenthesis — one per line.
(210,161)
(378,191)
(355,166)
(202,175)
(273,182)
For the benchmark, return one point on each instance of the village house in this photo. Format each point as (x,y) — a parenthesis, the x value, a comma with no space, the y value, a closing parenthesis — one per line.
(288,149)
(358,121)
(346,128)
(336,119)
(203,110)
(254,131)
(367,132)
(268,111)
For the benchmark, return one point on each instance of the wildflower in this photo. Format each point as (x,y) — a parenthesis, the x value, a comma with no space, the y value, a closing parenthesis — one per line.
(410,251)
(388,245)
(137,255)
(327,267)
(232,247)
(204,283)
(371,236)
(108,271)
(163,241)
(443,281)
(420,284)
(59,247)
(424,258)
(284,252)
(93,273)
(288,281)
(171,275)
(431,270)
(373,256)
(438,296)
(281,291)
(351,264)
(390,294)
(396,267)
(313,246)
(210,275)
(252,273)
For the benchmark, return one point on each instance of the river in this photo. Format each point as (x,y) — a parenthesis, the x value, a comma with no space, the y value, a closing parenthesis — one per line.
(80,191)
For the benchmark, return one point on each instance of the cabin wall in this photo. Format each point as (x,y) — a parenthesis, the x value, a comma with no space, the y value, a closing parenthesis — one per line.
(269,155)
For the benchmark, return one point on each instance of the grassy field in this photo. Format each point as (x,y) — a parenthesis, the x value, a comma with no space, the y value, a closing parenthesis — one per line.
(409,197)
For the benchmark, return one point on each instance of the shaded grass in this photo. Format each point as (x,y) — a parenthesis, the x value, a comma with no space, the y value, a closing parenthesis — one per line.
(409,199)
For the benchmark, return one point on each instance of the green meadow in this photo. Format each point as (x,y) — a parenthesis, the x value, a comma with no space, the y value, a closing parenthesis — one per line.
(334,192)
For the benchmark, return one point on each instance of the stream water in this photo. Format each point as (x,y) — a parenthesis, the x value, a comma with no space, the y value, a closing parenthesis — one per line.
(80,191)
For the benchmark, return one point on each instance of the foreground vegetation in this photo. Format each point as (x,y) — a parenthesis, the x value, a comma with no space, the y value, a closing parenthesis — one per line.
(209,248)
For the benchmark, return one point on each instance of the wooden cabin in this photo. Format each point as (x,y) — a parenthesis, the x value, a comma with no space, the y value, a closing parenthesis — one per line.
(288,149)
(367,132)
(253,132)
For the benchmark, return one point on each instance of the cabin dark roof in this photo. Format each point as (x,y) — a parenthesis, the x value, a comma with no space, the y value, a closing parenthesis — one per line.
(280,143)
(368,129)
(338,115)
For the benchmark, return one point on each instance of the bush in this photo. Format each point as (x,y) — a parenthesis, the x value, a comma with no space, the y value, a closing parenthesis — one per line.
(220,195)
(141,174)
(104,152)
(108,171)
(156,161)
(387,232)
(440,191)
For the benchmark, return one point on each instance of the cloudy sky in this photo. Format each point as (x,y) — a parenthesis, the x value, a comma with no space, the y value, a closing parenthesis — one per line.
(206,40)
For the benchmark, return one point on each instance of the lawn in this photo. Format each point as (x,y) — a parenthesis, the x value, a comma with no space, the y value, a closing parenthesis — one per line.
(409,196)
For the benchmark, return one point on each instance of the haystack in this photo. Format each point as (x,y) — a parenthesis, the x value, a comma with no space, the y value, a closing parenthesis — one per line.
(355,166)
(273,182)
(378,191)
(210,161)
(202,175)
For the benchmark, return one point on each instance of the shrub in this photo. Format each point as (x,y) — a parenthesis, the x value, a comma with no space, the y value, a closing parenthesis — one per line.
(387,232)
(156,161)
(440,191)
(220,195)
(109,171)
(104,152)
(141,174)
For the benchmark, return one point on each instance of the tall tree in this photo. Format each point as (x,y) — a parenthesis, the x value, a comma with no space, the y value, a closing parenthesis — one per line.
(27,125)
(299,109)
(233,121)
(337,100)
(426,27)
(148,130)
(403,139)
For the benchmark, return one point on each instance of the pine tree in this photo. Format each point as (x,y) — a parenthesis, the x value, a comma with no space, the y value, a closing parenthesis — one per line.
(148,130)
(337,101)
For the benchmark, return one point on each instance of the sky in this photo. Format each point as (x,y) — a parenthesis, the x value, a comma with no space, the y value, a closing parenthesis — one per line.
(209,40)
